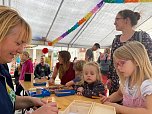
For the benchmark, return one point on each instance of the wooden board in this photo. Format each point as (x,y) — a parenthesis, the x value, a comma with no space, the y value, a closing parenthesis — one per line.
(78,107)
(102,109)
(86,107)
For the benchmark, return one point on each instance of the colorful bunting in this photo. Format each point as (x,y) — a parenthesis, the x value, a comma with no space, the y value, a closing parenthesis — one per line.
(80,22)
(126,1)
(88,15)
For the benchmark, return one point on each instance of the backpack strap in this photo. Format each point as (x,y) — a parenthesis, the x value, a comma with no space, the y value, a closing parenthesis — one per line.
(140,36)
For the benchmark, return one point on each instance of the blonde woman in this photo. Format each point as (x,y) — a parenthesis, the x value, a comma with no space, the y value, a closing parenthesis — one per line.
(15,33)
(135,71)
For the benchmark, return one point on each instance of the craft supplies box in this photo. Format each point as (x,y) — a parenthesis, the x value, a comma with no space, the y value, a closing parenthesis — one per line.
(44,93)
(61,93)
(86,107)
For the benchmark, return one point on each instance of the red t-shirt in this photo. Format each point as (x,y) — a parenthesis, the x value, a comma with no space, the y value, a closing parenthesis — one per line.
(68,75)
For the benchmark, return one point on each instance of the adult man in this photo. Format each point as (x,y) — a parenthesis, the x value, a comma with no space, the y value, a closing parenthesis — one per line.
(42,69)
(89,53)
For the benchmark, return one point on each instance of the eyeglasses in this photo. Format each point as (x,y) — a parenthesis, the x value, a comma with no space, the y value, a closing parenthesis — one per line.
(120,63)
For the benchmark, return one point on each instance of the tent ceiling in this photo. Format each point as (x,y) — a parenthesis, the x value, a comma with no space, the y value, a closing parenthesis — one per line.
(51,18)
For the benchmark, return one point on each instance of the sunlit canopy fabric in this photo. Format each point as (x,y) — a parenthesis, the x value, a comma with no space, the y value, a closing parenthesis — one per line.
(51,18)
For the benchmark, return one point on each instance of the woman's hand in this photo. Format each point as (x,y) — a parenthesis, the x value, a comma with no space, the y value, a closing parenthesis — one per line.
(37,101)
(50,108)
(104,99)
(51,81)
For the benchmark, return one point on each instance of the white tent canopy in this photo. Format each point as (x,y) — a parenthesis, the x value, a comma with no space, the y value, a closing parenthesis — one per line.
(49,19)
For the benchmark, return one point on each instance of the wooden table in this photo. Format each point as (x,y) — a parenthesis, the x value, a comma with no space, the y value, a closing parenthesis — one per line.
(62,102)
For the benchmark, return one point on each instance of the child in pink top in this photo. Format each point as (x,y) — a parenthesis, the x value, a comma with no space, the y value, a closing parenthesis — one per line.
(135,71)
(27,67)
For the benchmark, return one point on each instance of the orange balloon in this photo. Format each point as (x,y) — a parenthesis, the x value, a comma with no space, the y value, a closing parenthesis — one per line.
(50,43)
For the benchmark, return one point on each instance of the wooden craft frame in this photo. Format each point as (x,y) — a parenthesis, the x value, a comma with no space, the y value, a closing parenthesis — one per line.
(87,107)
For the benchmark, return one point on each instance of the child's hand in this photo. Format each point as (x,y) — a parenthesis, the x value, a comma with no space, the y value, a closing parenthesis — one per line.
(68,84)
(80,90)
(104,99)
(79,93)
(108,83)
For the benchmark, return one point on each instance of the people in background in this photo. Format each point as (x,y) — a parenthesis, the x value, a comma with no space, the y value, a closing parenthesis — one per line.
(27,68)
(78,67)
(75,59)
(135,71)
(125,21)
(64,68)
(92,85)
(35,63)
(89,53)
(42,69)
(17,73)
(15,33)
(104,61)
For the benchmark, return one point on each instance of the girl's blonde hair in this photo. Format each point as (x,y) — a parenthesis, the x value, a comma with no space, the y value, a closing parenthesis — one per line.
(9,18)
(136,52)
(94,64)
(78,65)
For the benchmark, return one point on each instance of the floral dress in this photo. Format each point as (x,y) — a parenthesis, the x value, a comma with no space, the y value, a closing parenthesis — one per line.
(135,97)
(144,39)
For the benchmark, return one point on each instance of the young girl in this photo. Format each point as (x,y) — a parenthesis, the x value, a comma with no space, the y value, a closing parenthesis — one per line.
(135,71)
(92,85)
(78,67)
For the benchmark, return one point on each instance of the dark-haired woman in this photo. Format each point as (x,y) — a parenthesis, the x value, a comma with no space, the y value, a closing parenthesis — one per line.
(64,68)
(125,21)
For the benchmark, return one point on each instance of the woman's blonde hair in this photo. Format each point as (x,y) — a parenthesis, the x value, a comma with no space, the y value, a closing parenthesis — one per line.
(94,64)
(136,52)
(9,18)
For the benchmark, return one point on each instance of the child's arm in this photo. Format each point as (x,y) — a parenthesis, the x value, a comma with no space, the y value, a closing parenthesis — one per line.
(116,96)
(128,110)
(70,83)
(54,75)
